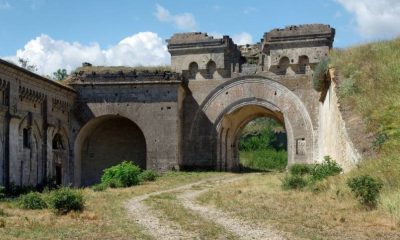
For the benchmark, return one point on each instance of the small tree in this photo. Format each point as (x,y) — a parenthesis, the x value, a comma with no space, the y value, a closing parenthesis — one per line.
(24,63)
(60,74)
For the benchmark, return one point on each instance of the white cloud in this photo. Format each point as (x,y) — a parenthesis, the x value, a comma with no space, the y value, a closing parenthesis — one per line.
(143,48)
(242,38)
(184,21)
(375,19)
(4,5)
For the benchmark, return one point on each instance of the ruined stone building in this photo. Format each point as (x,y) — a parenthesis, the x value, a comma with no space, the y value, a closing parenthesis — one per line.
(189,117)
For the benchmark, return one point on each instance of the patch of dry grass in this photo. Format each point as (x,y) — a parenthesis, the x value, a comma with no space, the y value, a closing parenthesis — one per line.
(104,217)
(329,214)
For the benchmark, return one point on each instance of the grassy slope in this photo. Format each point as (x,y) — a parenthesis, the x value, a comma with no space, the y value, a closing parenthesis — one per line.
(370,86)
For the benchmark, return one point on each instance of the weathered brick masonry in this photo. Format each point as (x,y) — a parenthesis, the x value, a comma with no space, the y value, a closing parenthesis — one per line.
(188,118)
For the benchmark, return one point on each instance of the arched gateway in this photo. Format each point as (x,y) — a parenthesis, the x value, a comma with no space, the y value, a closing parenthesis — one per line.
(228,108)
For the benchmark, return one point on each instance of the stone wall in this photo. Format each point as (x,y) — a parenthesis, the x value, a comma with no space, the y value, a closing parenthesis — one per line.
(333,138)
(33,110)
(152,107)
(165,120)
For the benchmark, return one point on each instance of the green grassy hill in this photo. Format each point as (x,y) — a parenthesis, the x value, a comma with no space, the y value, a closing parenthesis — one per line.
(369,85)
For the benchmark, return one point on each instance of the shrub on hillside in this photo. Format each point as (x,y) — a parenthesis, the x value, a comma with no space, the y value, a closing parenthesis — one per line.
(148,176)
(293,182)
(32,200)
(319,77)
(64,200)
(124,174)
(301,169)
(328,168)
(366,189)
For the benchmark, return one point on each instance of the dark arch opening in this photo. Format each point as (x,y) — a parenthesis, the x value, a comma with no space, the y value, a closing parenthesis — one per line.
(57,142)
(283,65)
(193,69)
(304,62)
(58,158)
(211,68)
(111,141)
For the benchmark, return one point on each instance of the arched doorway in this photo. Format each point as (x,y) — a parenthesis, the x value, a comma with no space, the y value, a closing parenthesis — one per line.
(104,142)
(216,127)
(233,122)
(59,156)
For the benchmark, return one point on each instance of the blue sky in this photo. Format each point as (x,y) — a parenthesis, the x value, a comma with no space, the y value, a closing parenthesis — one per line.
(63,33)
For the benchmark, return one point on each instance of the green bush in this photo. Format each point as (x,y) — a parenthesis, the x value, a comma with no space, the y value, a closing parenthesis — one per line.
(328,168)
(319,77)
(64,200)
(2,192)
(293,182)
(366,189)
(99,187)
(301,169)
(32,200)
(148,176)
(124,174)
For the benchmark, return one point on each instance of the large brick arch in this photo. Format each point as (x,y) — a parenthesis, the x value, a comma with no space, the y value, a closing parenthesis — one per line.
(111,139)
(217,123)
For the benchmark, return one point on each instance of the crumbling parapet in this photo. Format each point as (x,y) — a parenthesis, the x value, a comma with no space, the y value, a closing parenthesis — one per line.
(296,49)
(199,56)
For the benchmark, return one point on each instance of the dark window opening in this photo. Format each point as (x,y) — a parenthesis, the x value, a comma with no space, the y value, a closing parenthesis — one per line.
(25,133)
(57,142)
(211,68)
(58,174)
(193,69)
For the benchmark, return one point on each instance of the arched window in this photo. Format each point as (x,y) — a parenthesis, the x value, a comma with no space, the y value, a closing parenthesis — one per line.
(283,65)
(57,142)
(211,68)
(193,69)
(303,63)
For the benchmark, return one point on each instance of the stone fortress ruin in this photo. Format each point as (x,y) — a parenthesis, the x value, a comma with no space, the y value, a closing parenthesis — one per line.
(186,118)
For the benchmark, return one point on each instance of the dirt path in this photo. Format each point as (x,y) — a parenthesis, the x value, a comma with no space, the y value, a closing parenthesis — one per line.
(160,228)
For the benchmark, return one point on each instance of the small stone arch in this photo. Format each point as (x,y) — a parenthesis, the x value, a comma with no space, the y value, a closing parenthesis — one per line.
(304,64)
(28,171)
(59,162)
(283,65)
(211,68)
(193,70)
